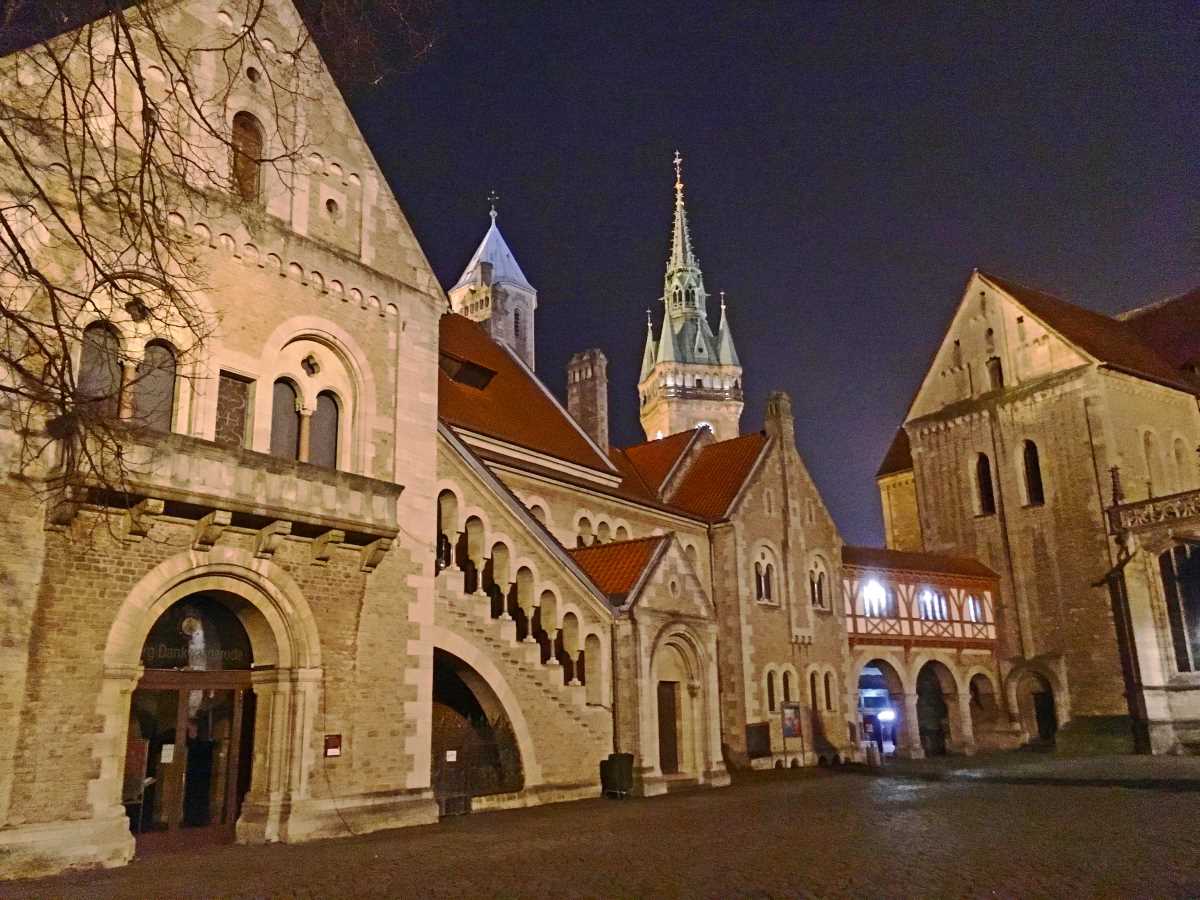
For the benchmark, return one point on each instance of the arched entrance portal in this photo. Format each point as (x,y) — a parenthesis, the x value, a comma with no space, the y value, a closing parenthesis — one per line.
(474,750)
(1036,707)
(935,695)
(881,705)
(675,691)
(191,724)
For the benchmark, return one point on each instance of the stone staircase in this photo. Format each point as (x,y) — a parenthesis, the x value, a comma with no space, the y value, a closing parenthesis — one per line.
(558,714)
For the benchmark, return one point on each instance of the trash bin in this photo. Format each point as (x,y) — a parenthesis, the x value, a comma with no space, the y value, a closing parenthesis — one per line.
(616,775)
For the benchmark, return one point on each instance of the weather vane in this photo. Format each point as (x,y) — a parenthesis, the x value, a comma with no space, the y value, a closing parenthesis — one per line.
(492,198)
(678,170)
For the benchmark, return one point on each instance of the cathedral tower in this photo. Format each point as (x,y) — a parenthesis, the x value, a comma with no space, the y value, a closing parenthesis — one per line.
(494,291)
(690,376)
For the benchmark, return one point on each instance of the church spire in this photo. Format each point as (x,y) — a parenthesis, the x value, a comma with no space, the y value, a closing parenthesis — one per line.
(726,352)
(681,239)
(649,354)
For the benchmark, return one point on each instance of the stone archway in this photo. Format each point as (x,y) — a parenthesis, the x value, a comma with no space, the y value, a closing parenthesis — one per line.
(680,697)
(474,749)
(938,711)
(287,654)
(884,708)
(1036,705)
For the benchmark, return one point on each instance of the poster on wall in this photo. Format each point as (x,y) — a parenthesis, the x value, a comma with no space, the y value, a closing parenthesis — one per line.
(791,719)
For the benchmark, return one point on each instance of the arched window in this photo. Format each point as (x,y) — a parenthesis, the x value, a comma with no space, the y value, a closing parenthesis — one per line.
(323,434)
(769,582)
(818,588)
(154,391)
(829,690)
(538,513)
(285,420)
(813,699)
(583,536)
(771,691)
(758,581)
(983,484)
(247,145)
(99,382)
(1154,477)
(787,687)
(1183,469)
(1035,494)
(764,577)
(1180,568)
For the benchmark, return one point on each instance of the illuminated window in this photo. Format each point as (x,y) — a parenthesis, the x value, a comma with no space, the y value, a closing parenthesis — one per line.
(931,606)
(973,610)
(876,600)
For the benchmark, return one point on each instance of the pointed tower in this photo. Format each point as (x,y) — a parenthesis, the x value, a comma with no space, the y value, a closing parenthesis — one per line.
(494,291)
(690,376)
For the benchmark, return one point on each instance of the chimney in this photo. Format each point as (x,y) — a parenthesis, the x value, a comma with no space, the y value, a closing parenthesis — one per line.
(780,423)
(587,394)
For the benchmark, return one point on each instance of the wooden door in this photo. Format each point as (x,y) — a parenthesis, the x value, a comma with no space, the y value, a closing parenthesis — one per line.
(668,730)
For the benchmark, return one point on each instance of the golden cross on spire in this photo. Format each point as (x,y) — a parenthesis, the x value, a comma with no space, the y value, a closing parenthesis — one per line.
(678,171)
(492,198)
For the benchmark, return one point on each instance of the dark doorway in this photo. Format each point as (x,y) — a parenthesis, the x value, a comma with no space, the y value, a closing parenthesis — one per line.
(1047,718)
(932,712)
(474,750)
(668,729)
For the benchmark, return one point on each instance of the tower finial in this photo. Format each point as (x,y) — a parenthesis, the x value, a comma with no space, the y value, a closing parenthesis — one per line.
(649,320)
(678,173)
(492,198)
(722,301)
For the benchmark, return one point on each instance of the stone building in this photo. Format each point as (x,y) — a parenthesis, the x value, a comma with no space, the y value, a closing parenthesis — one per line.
(1036,417)
(366,569)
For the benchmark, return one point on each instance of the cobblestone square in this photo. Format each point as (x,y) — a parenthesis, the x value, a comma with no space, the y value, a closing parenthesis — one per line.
(774,835)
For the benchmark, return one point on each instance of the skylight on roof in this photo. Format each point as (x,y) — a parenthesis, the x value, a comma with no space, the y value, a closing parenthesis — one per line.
(466,372)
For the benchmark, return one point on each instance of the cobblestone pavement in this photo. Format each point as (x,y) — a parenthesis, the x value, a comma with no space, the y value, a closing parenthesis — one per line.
(780,834)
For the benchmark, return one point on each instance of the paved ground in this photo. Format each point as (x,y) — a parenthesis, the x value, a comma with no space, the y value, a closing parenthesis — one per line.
(1179,773)
(779,834)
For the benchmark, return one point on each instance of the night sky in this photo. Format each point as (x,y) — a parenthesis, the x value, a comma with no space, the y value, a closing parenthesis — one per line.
(846,166)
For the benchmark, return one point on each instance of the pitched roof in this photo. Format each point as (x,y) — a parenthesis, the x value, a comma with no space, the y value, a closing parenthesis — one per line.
(616,567)
(715,478)
(511,405)
(494,249)
(1112,342)
(653,460)
(932,563)
(898,457)
(1171,327)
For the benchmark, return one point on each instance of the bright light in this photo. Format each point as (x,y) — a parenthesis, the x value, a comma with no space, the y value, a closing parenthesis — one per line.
(887,715)
(875,598)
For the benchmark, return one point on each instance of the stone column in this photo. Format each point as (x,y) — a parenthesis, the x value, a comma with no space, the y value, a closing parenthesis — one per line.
(966,737)
(305,434)
(908,735)
(125,408)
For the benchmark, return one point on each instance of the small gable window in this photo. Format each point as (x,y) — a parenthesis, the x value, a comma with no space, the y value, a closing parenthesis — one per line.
(1035,494)
(986,497)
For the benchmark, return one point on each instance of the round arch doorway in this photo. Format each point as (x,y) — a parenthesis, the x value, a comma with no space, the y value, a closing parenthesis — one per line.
(473,747)
(191,725)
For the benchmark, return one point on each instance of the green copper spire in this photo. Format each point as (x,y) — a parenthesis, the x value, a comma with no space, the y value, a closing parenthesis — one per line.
(726,352)
(648,355)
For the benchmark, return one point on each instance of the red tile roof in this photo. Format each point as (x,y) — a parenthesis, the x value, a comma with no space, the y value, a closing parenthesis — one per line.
(632,484)
(932,563)
(654,460)
(714,479)
(1112,342)
(512,407)
(1171,327)
(898,457)
(615,567)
